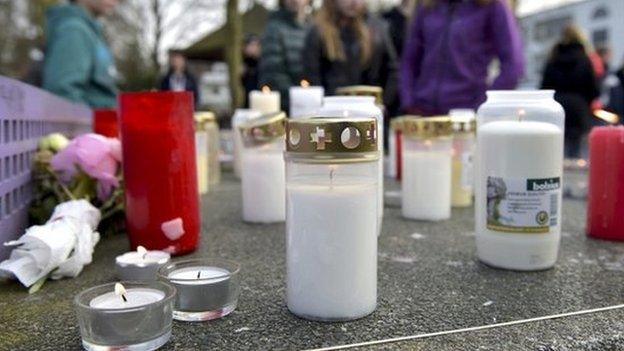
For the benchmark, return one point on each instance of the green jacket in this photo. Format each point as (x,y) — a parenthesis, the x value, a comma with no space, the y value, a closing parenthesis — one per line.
(78,64)
(282,45)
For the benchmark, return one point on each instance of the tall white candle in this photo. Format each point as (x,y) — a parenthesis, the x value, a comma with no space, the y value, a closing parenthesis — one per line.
(332,249)
(305,100)
(263,186)
(240,116)
(426,184)
(265,100)
(518,197)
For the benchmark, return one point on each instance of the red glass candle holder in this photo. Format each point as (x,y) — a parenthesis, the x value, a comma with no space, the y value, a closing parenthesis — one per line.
(105,123)
(605,198)
(160,171)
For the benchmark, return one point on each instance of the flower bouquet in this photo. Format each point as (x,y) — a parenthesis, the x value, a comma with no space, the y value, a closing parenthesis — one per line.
(78,193)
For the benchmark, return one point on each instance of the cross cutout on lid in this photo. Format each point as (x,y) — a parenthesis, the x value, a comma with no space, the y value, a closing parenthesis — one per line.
(320,138)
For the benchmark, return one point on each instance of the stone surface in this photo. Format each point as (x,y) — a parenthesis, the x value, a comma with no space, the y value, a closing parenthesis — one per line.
(429,281)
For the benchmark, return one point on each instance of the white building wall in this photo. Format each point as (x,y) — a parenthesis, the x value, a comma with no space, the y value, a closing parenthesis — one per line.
(600,19)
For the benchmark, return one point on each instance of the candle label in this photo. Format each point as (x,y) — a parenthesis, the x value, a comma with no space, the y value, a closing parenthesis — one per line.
(520,205)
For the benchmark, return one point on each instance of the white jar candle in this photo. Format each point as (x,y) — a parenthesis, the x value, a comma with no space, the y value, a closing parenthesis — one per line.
(240,116)
(360,107)
(519,170)
(331,218)
(305,100)
(426,168)
(201,152)
(264,100)
(263,174)
(462,183)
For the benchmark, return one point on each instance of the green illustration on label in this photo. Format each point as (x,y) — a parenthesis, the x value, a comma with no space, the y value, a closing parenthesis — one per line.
(522,205)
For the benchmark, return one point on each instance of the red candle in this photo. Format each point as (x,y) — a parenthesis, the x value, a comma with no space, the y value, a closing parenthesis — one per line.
(105,123)
(605,200)
(399,159)
(160,174)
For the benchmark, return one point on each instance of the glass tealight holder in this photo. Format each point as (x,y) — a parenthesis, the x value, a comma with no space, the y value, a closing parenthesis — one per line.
(140,320)
(463,152)
(207,288)
(331,217)
(426,158)
(262,169)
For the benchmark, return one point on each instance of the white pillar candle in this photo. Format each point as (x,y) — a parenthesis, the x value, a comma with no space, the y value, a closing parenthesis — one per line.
(240,116)
(265,100)
(332,250)
(305,100)
(426,182)
(201,151)
(518,197)
(263,185)
(426,154)
(331,224)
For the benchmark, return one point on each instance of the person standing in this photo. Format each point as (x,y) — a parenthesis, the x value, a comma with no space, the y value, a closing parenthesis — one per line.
(282,45)
(347,47)
(251,58)
(569,71)
(450,46)
(178,78)
(398,20)
(78,64)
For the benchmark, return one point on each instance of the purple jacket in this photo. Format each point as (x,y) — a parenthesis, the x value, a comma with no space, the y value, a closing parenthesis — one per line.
(449,48)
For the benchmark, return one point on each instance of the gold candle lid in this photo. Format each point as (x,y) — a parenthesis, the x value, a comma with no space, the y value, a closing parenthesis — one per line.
(427,127)
(396,123)
(332,139)
(264,129)
(205,116)
(363,90)
(464,125)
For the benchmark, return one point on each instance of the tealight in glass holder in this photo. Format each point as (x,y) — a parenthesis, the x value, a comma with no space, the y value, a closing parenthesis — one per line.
(131,316)
(207,288)
(262,171)
(331,217)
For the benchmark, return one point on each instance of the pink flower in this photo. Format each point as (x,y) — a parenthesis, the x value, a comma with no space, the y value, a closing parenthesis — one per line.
(96,155)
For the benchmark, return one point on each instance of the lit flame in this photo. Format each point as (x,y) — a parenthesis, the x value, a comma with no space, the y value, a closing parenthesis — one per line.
(581,163)
(305,83)
(607,116)
(120,291)
(141,251)
(265,89)
(521,113)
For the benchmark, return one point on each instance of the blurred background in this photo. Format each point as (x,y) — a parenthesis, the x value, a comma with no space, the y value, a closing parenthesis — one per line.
(142,32)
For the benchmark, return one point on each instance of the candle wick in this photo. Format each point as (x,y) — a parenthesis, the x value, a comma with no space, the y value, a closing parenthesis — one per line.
(198,274)
(123,296)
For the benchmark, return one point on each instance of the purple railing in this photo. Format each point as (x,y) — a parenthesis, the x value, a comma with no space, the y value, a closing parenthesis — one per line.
(26,114)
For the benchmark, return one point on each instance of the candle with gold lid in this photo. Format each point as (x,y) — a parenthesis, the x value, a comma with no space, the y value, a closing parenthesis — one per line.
(262,173)
(426,152)
(331,217)
(464,127)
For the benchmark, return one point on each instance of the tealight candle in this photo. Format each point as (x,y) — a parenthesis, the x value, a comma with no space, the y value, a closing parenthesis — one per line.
(137,316)
(140,265)
(518,183)
(426,183)
(263,174)
(305,100)
(207,288)
(331,223)
(264,100)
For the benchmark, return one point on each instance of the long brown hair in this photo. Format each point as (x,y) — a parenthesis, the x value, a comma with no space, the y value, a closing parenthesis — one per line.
(327,21)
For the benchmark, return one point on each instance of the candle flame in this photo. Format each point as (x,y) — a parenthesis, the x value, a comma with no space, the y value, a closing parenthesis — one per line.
(521,114)
(120,291)
(265,89)
(581,163)
(305,83)
(141,251)
(607,116)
